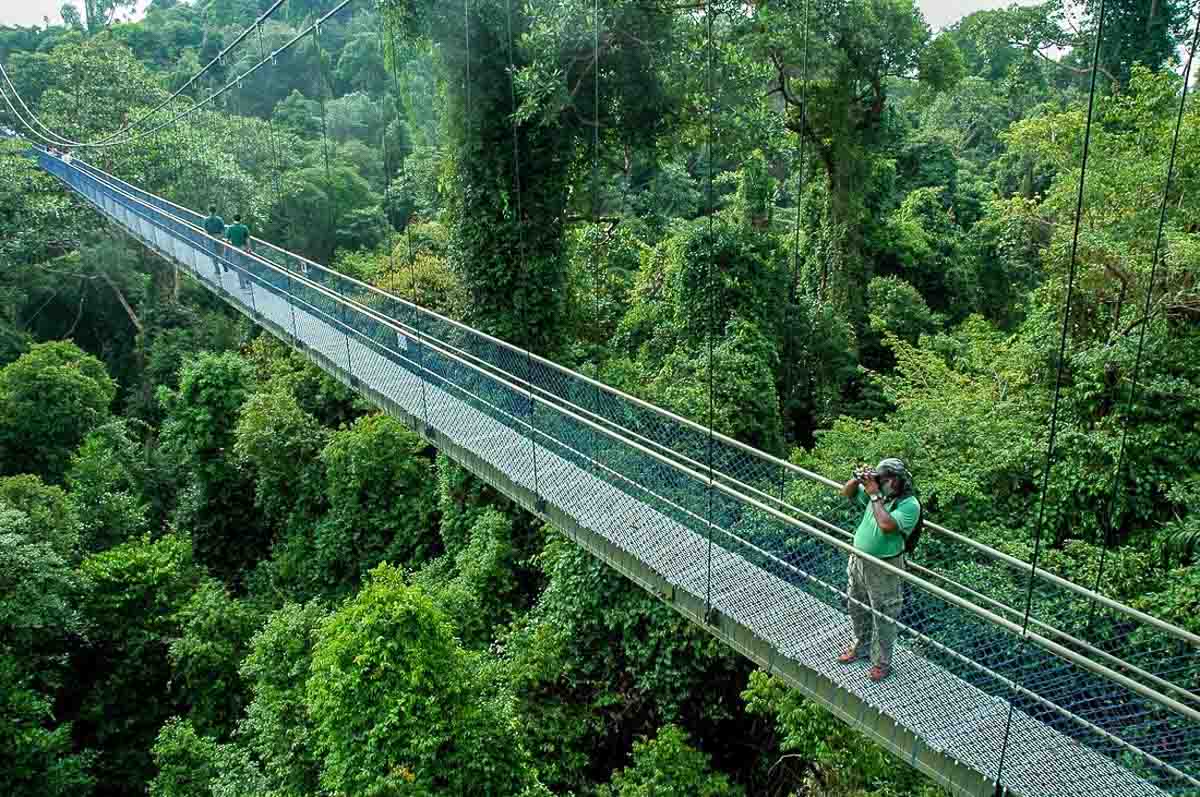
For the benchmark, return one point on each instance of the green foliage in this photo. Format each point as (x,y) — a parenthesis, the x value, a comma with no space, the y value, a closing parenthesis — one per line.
(299,114)
(187,762)
(666,766)
(476,588)
(38,221)
(597,661)
(173,334)
(192,765)
(316,392)
(756,191)
(966,421)
(398,706)
(820,362)
(463,499)
(1177,600)
(838,760)
(322,209)
(742,375)
(603,264)
(381,490)
(281,442)
(203,413)
(39,585)
(215,635)
(198,434)
(108,481)
(897,308)
(134,593)
(39,622)
(38,758)
(80,77)
(718,271)
(669,192)
(1140,33)
(929,250)
(941,64)
(426,279)
(1118,227)
(50,398)
(277,726)
(52,517)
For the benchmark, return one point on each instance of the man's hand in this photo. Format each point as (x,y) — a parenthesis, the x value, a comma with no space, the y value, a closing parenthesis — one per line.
(871,485)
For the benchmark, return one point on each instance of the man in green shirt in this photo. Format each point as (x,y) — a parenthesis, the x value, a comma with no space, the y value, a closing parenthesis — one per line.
(214,225)
(239,236)
(890,513)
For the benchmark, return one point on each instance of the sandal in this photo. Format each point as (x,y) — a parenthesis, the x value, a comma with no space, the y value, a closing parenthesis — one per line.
(850,656)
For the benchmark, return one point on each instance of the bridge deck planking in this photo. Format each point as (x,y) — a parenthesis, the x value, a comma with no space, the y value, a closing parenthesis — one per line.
(949,714)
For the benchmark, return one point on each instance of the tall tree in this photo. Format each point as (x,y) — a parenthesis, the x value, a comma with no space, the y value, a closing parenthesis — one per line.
(515,133)
(1145,32)
(856,50)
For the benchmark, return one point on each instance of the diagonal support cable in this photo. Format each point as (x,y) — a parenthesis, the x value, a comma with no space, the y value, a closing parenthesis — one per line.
(1113,492)
(1058,380)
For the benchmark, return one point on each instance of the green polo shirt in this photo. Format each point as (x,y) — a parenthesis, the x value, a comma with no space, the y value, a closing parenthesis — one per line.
(239,234)
(214,225)
(869,538)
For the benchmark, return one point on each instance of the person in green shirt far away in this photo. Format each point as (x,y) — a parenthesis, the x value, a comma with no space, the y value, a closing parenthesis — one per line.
(214,225)
(239,236)
(890,514)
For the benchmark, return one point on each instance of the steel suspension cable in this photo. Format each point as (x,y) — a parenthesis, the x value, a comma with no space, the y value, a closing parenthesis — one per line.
(387,201)
(1058,380)
(277,171)
(467,84)
(174,95)
(520,220)
(709,278)
(54,138)
(332,192)
(595,187)
(800,149)
(412,261)
(138,135)
(795,278)
(387,165)
(1146,305)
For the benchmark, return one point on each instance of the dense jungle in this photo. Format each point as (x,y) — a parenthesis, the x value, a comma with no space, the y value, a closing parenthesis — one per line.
(824,228)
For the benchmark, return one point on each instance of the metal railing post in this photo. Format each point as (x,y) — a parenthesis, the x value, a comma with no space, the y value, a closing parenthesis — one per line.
(349,361)
(250,283)
(292,309)
(430,431)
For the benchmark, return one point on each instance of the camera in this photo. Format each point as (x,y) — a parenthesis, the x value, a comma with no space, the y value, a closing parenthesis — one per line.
(864,472)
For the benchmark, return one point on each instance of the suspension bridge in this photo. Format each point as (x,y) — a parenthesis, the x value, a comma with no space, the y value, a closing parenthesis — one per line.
(1007,678)
(1085,696)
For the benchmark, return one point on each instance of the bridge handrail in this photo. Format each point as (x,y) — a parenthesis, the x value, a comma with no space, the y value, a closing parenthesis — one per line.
(534,432)
(1013,562)
(516,383)
(701,478)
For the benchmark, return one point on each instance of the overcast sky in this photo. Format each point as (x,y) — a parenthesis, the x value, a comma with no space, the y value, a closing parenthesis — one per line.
(938,13)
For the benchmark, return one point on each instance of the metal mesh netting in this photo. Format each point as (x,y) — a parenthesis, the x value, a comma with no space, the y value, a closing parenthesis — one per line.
(1101,704)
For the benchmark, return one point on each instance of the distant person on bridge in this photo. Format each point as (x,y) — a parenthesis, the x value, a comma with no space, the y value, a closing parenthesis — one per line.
(214,225)
(239,236)
(890,513)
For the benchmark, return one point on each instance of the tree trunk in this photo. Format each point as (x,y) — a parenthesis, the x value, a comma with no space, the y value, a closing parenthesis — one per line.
(121,298)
